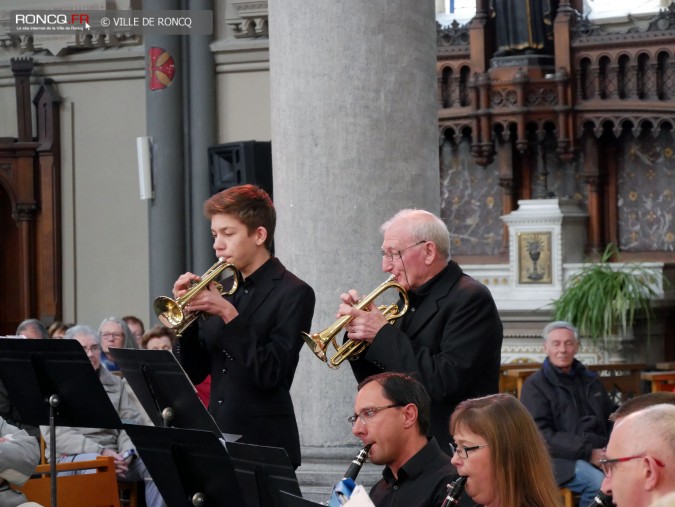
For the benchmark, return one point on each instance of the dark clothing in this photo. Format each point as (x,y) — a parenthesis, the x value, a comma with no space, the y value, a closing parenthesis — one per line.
(523,25)
(422,481)
(450,340)
(571,410)
(252,359)
(11,415)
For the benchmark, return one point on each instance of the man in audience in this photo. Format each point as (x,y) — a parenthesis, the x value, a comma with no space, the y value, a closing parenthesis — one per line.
(136,327)
(32,329)
(640,464)
(392,413)
(82,444)
(19,454)
(571,408)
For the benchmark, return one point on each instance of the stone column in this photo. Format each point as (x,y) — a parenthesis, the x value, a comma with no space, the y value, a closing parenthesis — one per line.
(354,139)
(164,117)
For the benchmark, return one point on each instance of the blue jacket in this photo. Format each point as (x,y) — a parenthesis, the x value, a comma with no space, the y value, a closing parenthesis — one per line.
(571,432)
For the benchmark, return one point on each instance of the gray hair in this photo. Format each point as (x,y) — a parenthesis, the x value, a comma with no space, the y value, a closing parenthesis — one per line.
(129,340)
(656,427)
(559,324)
(82,329)
(424,226)
(33,324)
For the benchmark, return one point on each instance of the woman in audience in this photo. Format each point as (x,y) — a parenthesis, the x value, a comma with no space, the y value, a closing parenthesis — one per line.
(502,454)
(58,329)
(158,338)
(114,333)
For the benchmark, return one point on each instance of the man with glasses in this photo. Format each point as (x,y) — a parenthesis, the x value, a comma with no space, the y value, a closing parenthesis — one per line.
(450,339)
(640,464)
(391,413)
(571,408)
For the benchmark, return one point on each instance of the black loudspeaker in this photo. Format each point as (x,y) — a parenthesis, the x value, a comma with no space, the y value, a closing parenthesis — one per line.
(233,164)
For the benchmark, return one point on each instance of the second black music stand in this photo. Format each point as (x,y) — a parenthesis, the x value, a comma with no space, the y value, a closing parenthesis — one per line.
(191,468)
(165,391)
(52,382)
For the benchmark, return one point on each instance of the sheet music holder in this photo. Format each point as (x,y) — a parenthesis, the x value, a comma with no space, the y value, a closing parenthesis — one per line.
(164,390)
(263,473)
(52,382)
(189,467)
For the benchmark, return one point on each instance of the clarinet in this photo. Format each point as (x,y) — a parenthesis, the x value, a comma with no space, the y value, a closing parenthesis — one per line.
(455,490)
(601,500)
(357,463)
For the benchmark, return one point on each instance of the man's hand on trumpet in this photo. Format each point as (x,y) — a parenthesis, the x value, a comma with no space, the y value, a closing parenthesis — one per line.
(365,323)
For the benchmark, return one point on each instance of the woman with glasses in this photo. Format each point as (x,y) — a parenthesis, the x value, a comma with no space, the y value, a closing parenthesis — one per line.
(501,452)
(114,333)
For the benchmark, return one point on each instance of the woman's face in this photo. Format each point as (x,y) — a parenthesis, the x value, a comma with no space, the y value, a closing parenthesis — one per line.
(112,335)
(477,467)
(159,343)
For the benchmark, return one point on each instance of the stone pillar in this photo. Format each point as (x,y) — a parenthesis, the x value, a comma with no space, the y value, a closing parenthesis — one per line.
(202,135)
(164,111)
(354,139)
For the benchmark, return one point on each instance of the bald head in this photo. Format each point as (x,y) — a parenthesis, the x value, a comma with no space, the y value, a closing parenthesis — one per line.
(643,447)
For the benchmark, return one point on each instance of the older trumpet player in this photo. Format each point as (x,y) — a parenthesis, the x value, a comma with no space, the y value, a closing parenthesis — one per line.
(251,341)
(449,339)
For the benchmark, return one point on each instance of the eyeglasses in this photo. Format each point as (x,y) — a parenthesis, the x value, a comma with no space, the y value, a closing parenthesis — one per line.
(607,465)
(93,349)
(390,255)
(111,335)
(463,452)
(367,414)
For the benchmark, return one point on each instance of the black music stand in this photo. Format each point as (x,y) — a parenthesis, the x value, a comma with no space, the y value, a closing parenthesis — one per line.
(263,472)
(165,391)
(191,468)
(52,382)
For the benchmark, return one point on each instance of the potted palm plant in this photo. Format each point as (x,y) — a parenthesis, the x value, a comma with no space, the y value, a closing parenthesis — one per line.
(603,299)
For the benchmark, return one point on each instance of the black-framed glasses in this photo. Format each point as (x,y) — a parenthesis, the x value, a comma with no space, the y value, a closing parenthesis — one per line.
(463,452)
(368,413)
(390,255)
(607,465)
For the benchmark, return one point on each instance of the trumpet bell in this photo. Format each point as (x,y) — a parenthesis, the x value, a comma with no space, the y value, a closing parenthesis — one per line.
(168,311)
(317,344)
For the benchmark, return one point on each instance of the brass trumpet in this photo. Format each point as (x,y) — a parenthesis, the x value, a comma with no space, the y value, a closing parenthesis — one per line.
(171,312)
(319,342)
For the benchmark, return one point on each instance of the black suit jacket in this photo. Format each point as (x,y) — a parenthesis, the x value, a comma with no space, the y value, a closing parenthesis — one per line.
(452,344)
(252,360)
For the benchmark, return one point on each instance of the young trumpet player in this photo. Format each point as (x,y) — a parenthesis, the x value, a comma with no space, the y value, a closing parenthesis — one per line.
(251,340)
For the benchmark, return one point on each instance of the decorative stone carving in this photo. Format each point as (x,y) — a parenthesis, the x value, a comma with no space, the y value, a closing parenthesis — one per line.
(252,19)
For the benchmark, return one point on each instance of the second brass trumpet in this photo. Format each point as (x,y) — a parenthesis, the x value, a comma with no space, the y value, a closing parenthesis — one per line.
(172,313)
(319,342)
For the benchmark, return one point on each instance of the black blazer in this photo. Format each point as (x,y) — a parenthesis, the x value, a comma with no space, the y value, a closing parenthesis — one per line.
(452,345)
(252,360)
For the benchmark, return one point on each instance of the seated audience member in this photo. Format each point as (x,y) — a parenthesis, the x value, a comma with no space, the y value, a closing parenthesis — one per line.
(571,407)
(641,402)
(32,329)
(392,412)
(136,327)
(58,329)
(114,333)
(158,338)
(502,454)
(19,454)
(640,464)
(82,444)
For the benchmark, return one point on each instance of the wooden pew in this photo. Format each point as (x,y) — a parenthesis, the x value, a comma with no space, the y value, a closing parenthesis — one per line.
(98,489)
